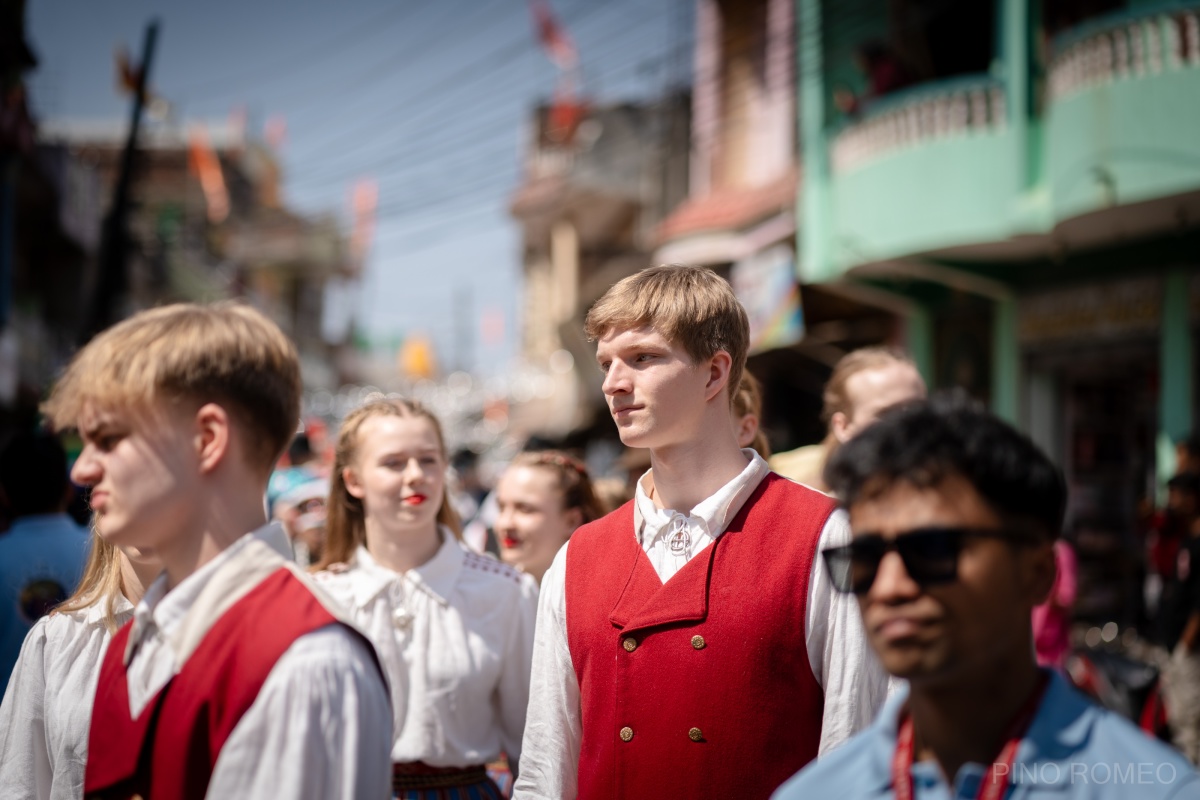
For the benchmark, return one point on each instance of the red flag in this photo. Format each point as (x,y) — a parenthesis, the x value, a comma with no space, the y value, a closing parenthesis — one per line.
(206,166)
(553,36)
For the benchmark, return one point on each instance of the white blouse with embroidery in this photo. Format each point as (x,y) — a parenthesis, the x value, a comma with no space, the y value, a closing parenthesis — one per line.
(456,639)
(47,707)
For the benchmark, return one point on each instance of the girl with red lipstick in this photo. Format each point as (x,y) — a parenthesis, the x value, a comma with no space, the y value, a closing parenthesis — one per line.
(453,629)
(543,497)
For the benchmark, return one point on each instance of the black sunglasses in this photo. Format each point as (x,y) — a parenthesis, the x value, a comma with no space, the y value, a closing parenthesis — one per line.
(930,555)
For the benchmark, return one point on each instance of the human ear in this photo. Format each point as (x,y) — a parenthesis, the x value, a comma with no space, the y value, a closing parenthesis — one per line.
(574,517)
(838,424)
(718,374)
(354,486)
(746,429)
(1042,571)
(213,436)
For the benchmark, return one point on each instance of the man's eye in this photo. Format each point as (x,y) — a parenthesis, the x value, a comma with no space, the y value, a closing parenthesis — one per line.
(604,366)
(644,356)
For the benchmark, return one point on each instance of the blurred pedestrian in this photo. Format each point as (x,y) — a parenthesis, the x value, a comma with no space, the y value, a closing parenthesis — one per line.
(302,467)
(1181,620)
(302,512)
(47,707)
(543,497)
(1052,619)
(954,516)
(747,416)
(454,629)
(234,679)
(688,644)
(44,551)
(864,384)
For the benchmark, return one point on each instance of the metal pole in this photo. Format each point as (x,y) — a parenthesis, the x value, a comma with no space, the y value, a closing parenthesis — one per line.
(113,277)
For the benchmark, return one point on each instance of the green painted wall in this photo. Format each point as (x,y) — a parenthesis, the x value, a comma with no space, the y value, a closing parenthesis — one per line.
(1132,140)
(1176,380)
(958,190)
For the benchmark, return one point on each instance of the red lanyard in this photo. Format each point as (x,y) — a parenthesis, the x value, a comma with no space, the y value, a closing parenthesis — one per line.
(995,783)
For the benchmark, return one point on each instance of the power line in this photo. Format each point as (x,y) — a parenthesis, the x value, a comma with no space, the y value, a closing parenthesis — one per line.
(287,67)
(325,170)
(443,90)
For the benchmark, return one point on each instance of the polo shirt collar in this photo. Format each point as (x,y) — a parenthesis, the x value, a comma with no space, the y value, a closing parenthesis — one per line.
(1060,727)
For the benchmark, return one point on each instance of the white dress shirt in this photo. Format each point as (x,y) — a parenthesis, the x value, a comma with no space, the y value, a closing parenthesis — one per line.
(854,683)
(314,731)
(47,707)
(456,638)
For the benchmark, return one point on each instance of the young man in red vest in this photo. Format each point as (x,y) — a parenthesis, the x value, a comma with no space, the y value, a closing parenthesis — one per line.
(234,679)
(688,644)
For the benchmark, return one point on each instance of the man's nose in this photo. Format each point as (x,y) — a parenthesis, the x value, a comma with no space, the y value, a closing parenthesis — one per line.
(892,581)
(86,469)
(616,380)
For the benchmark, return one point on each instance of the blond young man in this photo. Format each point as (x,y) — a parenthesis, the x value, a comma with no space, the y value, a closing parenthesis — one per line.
(864,384)
(234,678)
(687,644)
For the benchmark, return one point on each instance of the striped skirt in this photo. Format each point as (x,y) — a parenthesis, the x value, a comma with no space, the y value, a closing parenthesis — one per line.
(419,781)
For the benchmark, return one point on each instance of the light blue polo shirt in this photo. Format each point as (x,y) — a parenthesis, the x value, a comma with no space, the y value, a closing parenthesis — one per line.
(1073,748)
(41,561)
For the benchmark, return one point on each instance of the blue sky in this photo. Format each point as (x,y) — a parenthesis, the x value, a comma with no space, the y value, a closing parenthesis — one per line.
(429,98)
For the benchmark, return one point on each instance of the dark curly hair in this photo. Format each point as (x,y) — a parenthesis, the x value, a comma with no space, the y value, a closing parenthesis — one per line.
(922,444)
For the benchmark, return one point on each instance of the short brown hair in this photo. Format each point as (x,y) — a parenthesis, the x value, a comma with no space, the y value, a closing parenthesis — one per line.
(690,306)
(866,358)
(226,353)
(748,400)
(572,478)
(346,518)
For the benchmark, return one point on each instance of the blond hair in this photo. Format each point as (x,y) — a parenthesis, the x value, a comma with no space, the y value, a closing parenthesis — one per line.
(101,582)
(225,353)
(748,400)
(345,522)
(689,306)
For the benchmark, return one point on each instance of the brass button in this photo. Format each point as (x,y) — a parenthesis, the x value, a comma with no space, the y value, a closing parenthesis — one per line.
(698,642)
(626,733)
(630,644)
(695,735)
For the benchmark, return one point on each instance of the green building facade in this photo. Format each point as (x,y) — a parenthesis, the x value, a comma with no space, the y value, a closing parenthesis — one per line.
(1029,189)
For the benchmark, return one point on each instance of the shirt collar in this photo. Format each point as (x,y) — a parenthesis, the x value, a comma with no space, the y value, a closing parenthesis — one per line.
(714,513)
(165,610)
(437,577)
(94,614)
(1061,725)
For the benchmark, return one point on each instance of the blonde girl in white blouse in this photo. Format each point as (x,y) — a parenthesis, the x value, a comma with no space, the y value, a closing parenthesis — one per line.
(47,707)
(454,629)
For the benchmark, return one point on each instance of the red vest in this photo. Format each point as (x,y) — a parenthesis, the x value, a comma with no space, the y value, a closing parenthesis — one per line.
(700,687)
(169,751)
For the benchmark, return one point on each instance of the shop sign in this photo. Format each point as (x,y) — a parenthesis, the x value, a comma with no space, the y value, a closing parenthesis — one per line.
(765,282)
(1117,310)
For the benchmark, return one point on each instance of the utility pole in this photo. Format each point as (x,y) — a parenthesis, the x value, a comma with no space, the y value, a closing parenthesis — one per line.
(113,278)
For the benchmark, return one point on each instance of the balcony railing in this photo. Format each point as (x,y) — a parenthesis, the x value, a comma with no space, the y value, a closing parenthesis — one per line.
(1123,46)
(925,113)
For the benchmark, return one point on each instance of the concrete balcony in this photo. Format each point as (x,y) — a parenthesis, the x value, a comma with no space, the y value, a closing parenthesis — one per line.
(1122,114)
(927,168)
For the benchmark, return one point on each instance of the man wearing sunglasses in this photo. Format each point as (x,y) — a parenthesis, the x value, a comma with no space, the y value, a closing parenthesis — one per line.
(954,515)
